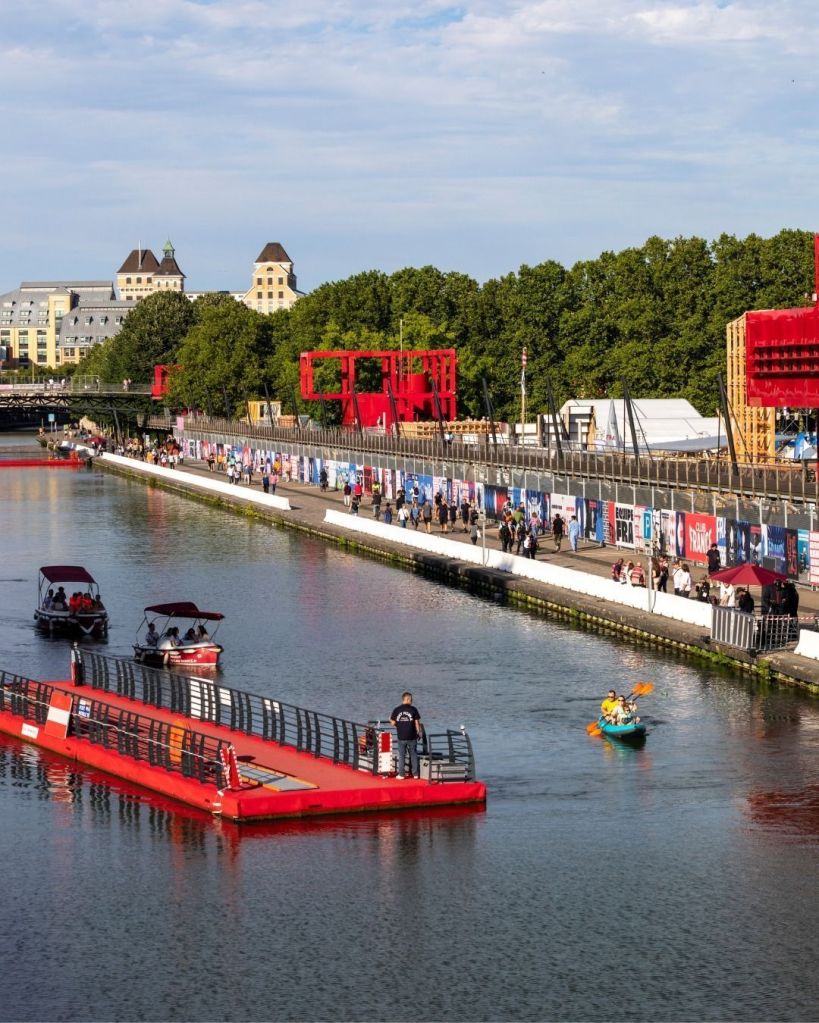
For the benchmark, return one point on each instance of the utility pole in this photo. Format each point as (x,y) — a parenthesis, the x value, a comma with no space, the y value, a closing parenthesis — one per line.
(523,360)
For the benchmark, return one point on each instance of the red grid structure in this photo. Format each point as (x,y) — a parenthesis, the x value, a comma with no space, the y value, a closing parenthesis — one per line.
(782,354)
(409,374)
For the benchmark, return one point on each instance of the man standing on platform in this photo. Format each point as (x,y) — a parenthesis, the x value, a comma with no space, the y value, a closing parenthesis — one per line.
(407,722)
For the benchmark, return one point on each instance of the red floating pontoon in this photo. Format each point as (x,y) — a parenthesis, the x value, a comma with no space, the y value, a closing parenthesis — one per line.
(234,754)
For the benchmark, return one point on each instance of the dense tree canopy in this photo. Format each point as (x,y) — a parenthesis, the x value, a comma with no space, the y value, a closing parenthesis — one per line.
(653,317)
(151,334)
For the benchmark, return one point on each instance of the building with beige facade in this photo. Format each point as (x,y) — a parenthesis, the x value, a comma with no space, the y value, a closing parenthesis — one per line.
(143,274)
(32,316)
(273,283)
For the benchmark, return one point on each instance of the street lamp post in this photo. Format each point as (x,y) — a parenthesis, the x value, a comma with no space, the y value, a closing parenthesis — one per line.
(482,526)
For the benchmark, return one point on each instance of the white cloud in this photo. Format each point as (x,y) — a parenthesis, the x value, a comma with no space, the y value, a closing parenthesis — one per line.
(425,113)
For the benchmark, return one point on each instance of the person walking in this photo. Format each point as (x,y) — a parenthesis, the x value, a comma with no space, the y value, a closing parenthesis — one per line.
(407,722)
(557,531)
(426,515)
(574,533)
(266,482)
(376,502)
(465,508)
(347,491)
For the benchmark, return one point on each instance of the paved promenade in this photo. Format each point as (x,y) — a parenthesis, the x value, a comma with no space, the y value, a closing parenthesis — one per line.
(309,505)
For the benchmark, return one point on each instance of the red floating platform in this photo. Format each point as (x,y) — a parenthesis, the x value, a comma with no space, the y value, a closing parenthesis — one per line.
(234,754)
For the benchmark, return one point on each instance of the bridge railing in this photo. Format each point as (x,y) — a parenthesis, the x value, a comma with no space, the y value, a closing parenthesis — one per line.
(71,385)
(488,460)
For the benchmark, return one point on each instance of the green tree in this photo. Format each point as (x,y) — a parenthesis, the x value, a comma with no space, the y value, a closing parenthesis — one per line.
(151,335)
(224,353)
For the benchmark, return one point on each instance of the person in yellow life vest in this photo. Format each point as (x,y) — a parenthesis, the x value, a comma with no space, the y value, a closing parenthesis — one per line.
(608,705)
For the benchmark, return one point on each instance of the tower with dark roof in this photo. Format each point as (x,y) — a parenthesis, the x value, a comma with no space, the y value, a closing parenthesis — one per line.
(273,284)
(142,274)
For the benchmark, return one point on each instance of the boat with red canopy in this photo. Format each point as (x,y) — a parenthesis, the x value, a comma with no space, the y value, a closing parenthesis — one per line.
(159,641)
(80,614)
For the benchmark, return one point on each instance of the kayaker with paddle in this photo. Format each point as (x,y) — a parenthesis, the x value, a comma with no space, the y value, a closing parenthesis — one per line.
(608,704)
(623,709)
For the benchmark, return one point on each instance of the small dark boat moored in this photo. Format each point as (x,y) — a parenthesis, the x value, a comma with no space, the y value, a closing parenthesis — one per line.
(163,647)
(81,615)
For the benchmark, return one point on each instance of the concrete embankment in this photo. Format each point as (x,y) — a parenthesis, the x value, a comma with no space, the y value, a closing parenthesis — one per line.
(575,587)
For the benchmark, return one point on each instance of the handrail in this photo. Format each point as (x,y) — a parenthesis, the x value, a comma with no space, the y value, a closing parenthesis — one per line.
(322,735)
(138,736)
(676,471)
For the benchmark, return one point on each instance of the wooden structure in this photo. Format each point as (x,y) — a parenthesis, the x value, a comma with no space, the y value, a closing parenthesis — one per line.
(754,426)
(773,362)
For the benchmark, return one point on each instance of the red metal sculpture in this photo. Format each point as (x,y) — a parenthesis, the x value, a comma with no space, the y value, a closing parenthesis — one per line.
(408,385)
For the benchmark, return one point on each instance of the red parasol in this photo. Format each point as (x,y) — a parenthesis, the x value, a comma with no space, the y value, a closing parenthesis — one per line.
(748,575)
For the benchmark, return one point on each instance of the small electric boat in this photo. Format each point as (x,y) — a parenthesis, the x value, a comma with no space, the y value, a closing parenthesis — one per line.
(79,615)
(159,642)
(633,731)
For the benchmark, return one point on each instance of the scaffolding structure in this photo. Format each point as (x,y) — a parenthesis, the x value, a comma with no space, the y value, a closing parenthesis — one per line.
(754,426)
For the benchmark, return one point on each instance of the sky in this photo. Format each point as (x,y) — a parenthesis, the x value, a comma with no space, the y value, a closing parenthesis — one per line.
(364,134)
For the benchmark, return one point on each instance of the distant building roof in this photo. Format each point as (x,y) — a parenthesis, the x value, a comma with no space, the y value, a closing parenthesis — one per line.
(273,252)
(93,321)
(67,286)
(168,268)
(139,261)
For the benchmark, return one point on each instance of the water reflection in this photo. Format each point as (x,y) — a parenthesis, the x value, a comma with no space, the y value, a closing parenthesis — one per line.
(459,914)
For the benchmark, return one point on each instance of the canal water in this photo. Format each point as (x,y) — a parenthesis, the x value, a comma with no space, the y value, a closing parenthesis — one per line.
(675,882)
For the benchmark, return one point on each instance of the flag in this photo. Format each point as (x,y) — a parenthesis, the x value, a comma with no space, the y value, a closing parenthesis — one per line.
(612,433)
(523,360)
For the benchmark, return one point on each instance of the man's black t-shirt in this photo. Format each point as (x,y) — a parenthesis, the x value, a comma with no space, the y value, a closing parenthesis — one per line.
(405,717)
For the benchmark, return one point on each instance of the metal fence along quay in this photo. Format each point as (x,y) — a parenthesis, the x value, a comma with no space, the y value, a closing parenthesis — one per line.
(321,735)
(490,462)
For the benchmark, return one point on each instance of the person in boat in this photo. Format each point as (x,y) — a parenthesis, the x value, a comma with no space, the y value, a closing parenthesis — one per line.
(190,636)
(48,601)
(202,635)
(170,639)
(75,603)
(151,636)
(608,704)
(98,604)
(59,603)
(619,714)
(86,603)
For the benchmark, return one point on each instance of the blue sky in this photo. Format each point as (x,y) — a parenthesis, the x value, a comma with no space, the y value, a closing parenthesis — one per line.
(475,136)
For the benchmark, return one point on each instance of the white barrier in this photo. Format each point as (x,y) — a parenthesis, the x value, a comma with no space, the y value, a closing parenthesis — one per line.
(808,645)
(206,483)
(693,612)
